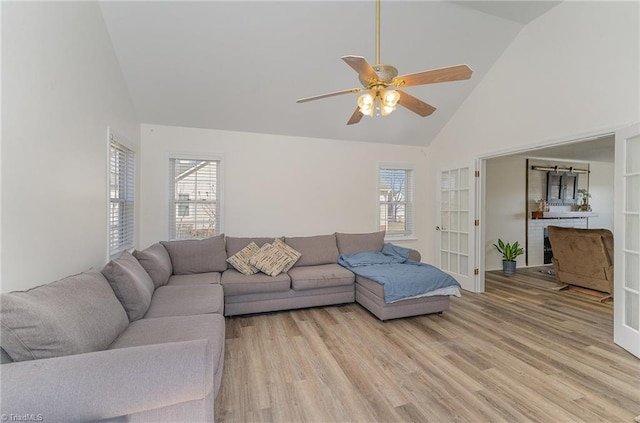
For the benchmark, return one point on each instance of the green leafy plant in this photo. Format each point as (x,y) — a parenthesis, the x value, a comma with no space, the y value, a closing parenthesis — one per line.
(509,252)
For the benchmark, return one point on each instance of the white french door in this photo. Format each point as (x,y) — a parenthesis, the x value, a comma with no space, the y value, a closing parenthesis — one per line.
(626,319)
(456,232)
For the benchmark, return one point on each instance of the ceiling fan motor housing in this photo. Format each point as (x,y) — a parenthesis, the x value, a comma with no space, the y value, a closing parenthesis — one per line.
(385,73)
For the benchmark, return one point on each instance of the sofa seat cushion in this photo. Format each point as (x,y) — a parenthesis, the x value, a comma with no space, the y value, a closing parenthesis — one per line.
(156,262)
(131,283)
(197,255)
(315,250)
(186,300)
(356,243)
(321,276)
(77,314)
(195,279)
(163,330)
(235,283)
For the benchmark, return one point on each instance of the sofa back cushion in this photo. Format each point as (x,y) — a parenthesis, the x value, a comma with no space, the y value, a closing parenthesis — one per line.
(156,262)
(235,244)
(77,314)
(357,243)
(131,284)
(314,250)
(197,255)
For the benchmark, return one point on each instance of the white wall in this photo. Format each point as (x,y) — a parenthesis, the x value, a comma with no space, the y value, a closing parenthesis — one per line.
(505,206)
(573,71)
(276,185)
(61,88)
(601,181)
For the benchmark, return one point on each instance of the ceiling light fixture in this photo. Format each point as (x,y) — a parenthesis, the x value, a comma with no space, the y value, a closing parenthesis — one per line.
(381,101)
(379,98)
(382,88)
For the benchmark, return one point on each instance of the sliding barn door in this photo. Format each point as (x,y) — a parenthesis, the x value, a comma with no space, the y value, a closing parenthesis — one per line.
(626,322)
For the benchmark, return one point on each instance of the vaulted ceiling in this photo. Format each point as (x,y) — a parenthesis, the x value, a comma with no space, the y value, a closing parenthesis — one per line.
(241,66)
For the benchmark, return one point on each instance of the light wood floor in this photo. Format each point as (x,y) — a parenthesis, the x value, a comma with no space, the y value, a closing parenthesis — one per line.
(517,353)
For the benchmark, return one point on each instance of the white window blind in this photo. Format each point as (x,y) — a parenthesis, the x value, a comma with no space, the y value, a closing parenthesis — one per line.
(395,201)
(194,208)
(121,197)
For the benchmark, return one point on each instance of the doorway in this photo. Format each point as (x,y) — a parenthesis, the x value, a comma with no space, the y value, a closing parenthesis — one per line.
(505,202)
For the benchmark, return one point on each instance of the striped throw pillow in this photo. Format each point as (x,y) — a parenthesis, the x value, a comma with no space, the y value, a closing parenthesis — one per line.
(240,260)
(270,260)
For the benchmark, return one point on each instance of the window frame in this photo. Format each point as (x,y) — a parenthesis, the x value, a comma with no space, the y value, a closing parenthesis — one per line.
(409,202)
(125,228)
(171,200)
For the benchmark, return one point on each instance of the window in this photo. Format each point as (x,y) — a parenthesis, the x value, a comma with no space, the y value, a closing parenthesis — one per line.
(121,197)
(395,200)
(194,209)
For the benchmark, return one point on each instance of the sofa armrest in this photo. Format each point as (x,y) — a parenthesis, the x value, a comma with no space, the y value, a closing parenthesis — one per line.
(107,384)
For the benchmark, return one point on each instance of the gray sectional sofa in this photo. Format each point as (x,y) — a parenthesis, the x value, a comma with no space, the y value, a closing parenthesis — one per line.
(143,339)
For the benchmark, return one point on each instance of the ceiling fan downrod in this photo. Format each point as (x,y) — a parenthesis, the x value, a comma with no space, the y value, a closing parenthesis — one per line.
(377,32)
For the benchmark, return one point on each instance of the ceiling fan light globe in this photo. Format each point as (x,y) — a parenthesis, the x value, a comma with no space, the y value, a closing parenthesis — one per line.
(390,98)
(367,110)
(386,110)
(366,100)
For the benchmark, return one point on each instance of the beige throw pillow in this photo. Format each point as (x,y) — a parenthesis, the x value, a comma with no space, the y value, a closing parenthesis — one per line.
(271,260)
(289,252)
(240,260)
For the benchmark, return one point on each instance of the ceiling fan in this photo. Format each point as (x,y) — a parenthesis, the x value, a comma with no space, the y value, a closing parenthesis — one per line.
(381,83)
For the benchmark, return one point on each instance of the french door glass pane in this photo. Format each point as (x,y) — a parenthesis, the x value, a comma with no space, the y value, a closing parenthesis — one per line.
(464,221)
(444,220)
(464,199)
(444,240)
(633,155)
(444,201)
(453,179)
(632,228)
(444,181)
(464,243)
(444,260)
(453,263)
(632,305)
(453,195)
(633,198)
(464,265)
(464,177)
(454,221)
(454,241)
(631,271)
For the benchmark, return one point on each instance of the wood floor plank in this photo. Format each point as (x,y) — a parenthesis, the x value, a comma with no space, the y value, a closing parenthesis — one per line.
(521,352)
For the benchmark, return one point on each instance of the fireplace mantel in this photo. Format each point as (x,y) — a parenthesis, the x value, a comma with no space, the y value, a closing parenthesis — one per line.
(562,214)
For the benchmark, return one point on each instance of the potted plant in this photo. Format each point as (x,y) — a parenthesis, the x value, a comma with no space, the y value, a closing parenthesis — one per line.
(509,253)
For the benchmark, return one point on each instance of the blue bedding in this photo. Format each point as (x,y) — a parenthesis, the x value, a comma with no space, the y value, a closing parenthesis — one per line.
(400,276)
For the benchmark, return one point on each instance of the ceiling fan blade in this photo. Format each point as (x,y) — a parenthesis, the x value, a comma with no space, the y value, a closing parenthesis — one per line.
(355,117)
(415,105)
(360,65)
(318,97)
(452,73)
